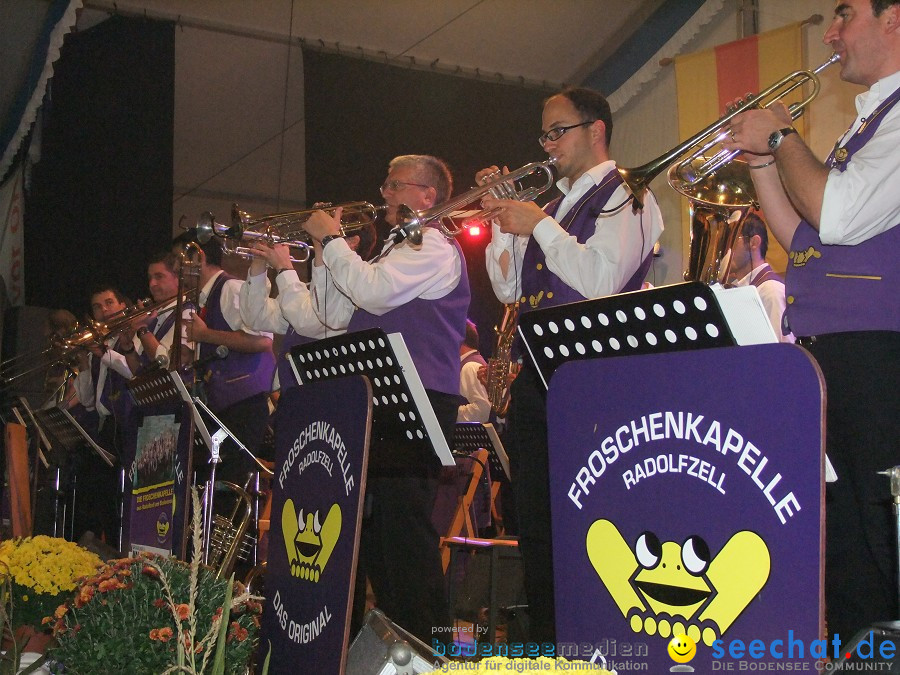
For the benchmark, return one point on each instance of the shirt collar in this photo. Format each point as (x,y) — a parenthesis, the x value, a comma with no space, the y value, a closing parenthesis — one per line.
(207,287)
(592,176)
(868,100)
(467,354)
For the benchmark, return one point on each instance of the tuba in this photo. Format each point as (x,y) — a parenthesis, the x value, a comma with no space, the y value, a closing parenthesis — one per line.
(717,185)
(500,365)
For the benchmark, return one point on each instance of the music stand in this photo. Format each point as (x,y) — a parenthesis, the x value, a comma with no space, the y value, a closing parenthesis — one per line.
(472,436)
(666,319)
(399,400)
(69,434)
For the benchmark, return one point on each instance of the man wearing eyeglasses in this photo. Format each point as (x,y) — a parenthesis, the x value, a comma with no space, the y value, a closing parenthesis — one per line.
(422,292)
(588,244)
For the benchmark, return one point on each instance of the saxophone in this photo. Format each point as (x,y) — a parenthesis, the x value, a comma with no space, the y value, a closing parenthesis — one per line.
(500,365)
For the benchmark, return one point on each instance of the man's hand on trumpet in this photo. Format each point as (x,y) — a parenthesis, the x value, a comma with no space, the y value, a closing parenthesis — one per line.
(750,130)
(278,257)
(513,216)
(320,225)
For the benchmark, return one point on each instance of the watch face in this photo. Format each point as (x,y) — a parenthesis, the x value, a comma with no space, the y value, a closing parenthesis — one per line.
(775,140)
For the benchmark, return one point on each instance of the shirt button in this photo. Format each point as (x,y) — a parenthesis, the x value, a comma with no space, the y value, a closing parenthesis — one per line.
(540,266)
(790,299)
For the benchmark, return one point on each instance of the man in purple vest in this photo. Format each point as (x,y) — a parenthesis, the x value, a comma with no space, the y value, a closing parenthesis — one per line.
(588,244)
(749,267)
(422,292)
(237,386)
(838,222)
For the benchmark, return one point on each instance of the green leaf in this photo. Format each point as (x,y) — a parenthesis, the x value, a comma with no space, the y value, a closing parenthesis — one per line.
(219,661)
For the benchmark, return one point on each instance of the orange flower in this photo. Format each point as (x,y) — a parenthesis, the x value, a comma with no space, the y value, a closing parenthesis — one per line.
(60,611)
(159,603)
(154,633)
(182,611)
(165,634)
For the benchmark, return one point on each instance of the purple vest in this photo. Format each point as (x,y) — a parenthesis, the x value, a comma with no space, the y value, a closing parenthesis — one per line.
(835,288)
(292,338)
(432,329)
(542,288)
(238,375)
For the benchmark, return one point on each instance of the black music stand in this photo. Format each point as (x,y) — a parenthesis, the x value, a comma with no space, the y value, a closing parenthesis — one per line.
(666,319)
(399,400)
(68,433)
(472,436)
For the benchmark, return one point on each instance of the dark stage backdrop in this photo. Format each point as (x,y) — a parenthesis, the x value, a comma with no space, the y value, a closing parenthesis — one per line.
(361,114)
(101,197)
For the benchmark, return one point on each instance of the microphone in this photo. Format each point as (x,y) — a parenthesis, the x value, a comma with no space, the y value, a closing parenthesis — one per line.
(220,353)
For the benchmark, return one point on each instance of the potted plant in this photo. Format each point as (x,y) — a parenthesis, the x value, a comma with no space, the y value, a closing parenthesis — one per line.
(149,614)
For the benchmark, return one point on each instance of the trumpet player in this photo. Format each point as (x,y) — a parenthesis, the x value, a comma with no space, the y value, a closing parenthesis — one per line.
(291,313)
(421,291)
(838,220)
(588,244)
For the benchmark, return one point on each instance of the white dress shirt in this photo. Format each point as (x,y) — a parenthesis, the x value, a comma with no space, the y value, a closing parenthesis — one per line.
(478,408)
(601,266)
(862,202)
(772,294)
(230,303)
(429,271)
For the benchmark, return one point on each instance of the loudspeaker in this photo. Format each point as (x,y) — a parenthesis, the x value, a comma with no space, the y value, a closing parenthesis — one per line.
(383,648)
(25,333)
(865,649)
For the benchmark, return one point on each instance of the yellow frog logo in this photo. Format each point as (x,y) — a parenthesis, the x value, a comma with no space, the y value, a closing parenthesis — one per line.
(800,258)
(309,541)
(672,589)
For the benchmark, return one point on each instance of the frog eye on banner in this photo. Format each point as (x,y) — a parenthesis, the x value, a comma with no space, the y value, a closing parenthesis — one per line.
(648,550)
(695,555)
(309,542)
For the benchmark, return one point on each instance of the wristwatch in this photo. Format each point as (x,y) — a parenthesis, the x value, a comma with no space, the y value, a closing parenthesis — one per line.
(776,137)
(328,238)
(141,332)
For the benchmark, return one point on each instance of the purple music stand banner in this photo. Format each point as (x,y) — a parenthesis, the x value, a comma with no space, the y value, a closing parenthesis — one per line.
(321,449)
(687,499)
(157,467)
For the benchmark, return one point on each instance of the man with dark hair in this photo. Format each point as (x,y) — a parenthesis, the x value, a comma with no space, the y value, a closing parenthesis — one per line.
(749,267)
(100,385)
(477,407)
(588,244)
(154,334)
(839,223)
(422,292)
(237,386)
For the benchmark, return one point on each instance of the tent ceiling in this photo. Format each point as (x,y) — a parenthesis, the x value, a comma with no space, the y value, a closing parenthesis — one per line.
(542,42)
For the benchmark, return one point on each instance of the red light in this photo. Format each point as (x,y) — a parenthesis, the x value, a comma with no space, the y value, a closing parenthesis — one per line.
(475,231)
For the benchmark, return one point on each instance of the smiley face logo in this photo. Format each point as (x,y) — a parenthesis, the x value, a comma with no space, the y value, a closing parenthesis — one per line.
(682,648)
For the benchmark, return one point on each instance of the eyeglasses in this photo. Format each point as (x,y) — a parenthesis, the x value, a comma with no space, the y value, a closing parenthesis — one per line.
(395,185)
(557,133)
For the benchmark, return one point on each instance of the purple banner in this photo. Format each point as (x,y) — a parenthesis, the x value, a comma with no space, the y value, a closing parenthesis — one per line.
(321,448)
(157,463)
(687,498)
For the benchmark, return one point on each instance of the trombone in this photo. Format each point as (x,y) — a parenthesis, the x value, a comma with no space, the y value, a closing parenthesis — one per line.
(410,222)
(717,185)
(282,228)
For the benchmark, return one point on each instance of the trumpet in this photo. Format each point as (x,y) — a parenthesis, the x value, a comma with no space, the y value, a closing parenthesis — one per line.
(282,228)
(410,222)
